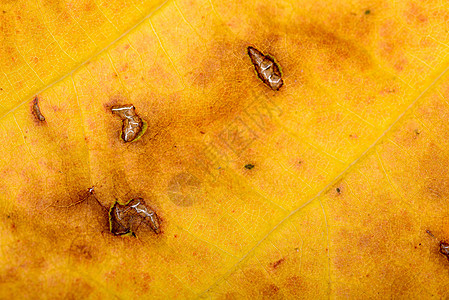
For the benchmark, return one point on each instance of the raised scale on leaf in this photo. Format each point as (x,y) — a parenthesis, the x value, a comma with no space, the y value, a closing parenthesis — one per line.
(124,219)
(133,126)
(444,249)
(37,111)
(266,68)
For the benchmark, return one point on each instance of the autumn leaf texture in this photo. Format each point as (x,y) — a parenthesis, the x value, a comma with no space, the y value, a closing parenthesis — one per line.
(224,149)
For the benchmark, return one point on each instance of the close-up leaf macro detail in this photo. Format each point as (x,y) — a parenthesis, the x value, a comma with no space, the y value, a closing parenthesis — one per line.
(224,149)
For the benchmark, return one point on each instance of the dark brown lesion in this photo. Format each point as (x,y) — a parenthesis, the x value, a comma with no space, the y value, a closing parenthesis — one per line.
(249,166)
(444,249)
(125,219)
(37,111)
(267,69)
(133,126)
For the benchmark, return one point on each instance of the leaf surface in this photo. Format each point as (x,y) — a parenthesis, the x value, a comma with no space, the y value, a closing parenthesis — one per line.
(325,188)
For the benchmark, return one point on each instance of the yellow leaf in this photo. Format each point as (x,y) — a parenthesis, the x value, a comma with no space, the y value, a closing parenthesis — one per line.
(334,186)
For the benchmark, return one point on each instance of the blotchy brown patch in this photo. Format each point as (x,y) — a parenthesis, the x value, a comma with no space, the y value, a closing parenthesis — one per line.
(338,49)
(83,250)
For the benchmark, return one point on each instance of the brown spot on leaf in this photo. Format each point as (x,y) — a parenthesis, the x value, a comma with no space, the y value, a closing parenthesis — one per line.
(126,218)
(133,126)
(417,132)
(266,68)
(249,166)
(82,250)
(37,111)
(444,249)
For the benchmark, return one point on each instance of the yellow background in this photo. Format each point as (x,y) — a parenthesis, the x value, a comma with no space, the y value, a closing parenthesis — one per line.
(350,158)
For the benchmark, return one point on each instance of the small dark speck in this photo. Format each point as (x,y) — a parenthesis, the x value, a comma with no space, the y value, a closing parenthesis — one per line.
(249,166)
(417,131)
(367,12)
(338,190)
(4,11)
(202,132)
(8,216)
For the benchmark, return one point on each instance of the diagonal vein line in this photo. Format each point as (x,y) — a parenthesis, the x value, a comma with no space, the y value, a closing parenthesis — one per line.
(76,68)
(338,177)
